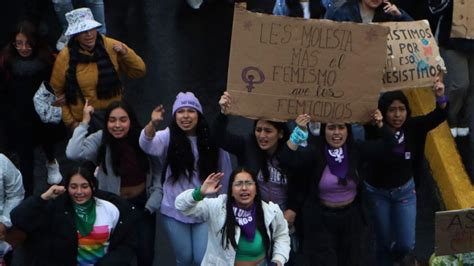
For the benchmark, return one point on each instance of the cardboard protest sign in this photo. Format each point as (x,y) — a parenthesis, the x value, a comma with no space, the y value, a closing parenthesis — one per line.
(463,19)
(413,58)
(280,67)
(454,232)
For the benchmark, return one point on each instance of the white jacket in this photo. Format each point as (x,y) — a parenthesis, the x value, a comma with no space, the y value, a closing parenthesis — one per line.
(213,211)
(11,189)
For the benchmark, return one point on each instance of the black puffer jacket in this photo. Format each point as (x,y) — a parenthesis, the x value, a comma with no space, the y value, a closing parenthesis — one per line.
(52,234)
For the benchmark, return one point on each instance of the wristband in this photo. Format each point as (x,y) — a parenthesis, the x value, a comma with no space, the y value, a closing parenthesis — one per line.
(197,196)
(442,99)
(298,136)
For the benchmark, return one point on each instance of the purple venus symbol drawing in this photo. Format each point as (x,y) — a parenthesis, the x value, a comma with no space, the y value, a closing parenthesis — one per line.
(252,75)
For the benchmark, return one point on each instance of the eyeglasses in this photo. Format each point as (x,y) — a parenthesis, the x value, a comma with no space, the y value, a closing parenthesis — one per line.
(247,183)
(20,44)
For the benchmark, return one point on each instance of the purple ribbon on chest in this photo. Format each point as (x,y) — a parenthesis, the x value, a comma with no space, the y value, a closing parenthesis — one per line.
(400,146)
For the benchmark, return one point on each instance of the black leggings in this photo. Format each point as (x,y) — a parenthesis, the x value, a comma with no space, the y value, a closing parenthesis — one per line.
(146,233)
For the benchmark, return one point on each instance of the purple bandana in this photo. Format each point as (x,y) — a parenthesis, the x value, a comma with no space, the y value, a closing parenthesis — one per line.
(246,220)
(338,161)
(400,146)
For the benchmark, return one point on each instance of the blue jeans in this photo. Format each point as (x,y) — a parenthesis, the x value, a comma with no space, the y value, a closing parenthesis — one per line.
(189,241)
(394,216)
(61,7)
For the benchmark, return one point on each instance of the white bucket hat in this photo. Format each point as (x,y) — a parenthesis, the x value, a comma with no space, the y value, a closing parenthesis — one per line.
(80,20)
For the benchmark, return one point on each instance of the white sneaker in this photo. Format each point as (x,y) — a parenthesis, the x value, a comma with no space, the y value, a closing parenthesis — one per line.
(463,131)
(62,42)
(54,176)
(454,131)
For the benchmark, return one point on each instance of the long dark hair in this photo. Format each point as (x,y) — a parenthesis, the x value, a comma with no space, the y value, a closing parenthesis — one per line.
(281,127)
(180,156)
(39,47)
(86,170)
(228,230)
(108,141)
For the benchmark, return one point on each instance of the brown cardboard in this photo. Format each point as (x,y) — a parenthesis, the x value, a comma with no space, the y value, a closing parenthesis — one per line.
(280,67)
(454,232)
(413,59)
(463,19)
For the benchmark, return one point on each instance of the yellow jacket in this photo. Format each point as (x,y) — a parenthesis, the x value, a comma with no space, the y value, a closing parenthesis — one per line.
(87,76)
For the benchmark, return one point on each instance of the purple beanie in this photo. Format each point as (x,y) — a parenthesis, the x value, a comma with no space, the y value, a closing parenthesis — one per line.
(186,99)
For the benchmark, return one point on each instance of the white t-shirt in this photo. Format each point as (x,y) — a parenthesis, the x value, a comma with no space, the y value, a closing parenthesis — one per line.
(94,246)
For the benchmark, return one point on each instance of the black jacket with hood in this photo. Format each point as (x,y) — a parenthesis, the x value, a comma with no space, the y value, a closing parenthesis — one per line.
(52,234)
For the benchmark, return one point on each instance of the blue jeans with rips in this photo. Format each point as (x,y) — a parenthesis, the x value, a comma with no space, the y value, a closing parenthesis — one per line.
(189,241)
(61,7)
(393,213)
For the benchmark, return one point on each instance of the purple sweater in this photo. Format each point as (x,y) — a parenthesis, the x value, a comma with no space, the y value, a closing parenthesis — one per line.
(158,146)
(275,190)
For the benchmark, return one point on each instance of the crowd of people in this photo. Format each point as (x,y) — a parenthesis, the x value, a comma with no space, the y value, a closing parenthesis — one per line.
(292,196)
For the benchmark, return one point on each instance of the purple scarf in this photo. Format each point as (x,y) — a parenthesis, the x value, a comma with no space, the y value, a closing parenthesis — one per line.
(400,146)
(338,161)
(246,219)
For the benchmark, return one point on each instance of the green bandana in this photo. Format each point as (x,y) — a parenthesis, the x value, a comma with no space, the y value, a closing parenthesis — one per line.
(85,216)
